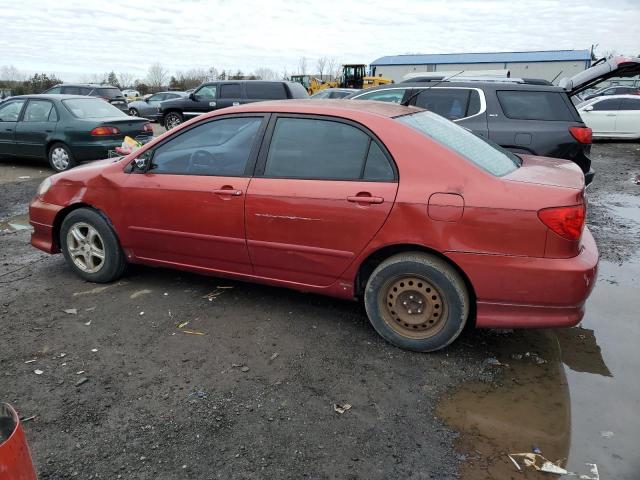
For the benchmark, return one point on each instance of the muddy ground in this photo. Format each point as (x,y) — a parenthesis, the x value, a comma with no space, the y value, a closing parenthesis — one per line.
(253,396)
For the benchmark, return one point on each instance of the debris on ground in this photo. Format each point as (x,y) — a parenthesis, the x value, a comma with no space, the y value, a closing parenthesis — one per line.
(191,332)
(244,369)
(79,372)
(28,419)
(30,361)
(273,357)
(541,464)
(139,293)
(87,323)
(94,350)
(495,362)
(183,324)
(534,357)
(141,313)
(71,311)
(341,408)
(38,372)
(606,434)
(216,293)
(197,394)
(81,381)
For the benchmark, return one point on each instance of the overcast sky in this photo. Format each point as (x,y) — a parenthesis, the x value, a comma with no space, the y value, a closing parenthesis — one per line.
(78,38)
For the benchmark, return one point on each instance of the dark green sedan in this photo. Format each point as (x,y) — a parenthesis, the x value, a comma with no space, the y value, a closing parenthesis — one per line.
(65,129)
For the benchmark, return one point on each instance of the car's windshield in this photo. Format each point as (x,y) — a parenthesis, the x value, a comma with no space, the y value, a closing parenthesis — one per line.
(92,108)
(488,156)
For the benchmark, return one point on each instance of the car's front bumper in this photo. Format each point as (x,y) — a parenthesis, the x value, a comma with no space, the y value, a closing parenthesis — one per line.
(42,217)
(531,292)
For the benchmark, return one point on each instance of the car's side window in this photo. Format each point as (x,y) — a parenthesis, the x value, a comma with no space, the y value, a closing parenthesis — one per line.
(309,148)
(206,92)
(230,90)
(10,111)
(37,111)
(220,147)
(610,104)
(385,95)
(451,103)
(53,90)
(630,104)
(377,167)
(71,90)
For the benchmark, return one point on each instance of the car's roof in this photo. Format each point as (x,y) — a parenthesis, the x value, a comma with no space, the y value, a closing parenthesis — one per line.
(329,107)
(209,82)
(607,97)
(54,96)
(485,85)
(92,85)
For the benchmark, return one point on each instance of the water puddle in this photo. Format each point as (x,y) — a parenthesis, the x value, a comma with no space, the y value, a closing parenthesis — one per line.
(15,224)
(571,393)
(624,205)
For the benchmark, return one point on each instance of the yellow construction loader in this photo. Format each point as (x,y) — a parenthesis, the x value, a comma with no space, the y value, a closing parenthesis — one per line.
(353,76)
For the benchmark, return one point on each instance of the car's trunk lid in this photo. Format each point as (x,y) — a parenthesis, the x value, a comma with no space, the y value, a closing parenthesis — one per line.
(130,126)
(599,71)
(548,171)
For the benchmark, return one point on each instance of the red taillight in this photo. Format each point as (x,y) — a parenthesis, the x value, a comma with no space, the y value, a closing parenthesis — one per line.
(581,134)
(105,131)
(567,222)
(147,128)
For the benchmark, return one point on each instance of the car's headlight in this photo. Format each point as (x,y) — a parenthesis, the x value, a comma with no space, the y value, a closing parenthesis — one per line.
(44,186)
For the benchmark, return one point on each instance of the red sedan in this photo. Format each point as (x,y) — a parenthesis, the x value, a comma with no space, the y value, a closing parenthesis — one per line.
(431,225)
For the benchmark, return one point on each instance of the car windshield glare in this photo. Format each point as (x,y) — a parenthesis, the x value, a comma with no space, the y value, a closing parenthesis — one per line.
(92,108)
(487,155)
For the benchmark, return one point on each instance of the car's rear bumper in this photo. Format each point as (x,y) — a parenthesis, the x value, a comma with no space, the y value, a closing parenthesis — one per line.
(528,292)
(42,218)
(98,150)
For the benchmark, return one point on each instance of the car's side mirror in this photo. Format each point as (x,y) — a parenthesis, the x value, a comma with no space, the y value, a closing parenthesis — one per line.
(192,96)
(140,162)
(588,108)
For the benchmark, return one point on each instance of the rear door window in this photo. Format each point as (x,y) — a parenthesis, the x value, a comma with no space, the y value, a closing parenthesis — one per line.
(630,104)
(451,103)
(230,90)
(309,148)
(265,91)
(610,104)
(37,111)
(530,105)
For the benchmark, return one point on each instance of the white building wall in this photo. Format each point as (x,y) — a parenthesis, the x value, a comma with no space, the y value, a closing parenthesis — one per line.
(543,70)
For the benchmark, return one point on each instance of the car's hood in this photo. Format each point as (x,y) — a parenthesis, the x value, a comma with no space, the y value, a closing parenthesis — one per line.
(599,71)
(174,102)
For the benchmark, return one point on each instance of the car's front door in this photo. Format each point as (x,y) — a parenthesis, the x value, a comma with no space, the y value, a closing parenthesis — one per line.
(34,129)
(203,100)
(601,117)
(187,208)
(323,187)
(628,119)
(9,115)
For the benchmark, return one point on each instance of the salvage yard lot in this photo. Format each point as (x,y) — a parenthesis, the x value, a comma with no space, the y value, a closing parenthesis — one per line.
(247,387)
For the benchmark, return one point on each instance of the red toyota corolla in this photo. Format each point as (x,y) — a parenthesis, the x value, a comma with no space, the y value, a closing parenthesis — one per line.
(431,225)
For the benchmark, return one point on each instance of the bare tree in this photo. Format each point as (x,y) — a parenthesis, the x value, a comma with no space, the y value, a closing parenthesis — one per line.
(331,66)
(320,65)
(126,79)
(264,73)
(212,74)
(285,74)
(302,66)
(157,76)
(10,73)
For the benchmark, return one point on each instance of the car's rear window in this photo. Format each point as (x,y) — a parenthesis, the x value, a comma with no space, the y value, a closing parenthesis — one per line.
(487,156)
(107,92)
(530,105)
(265,91)
(92,108)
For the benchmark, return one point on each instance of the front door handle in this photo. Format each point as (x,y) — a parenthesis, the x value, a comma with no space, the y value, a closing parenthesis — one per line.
(228,191)
(365,198)
(611,114)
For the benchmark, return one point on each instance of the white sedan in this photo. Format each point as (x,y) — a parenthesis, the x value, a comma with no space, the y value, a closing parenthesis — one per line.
(616,116)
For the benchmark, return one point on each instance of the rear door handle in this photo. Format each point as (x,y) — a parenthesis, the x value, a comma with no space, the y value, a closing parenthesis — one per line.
(365,199)
(228,191)
(611,114)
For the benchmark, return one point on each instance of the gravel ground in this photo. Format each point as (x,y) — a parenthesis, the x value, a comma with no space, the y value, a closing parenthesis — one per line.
(253,396)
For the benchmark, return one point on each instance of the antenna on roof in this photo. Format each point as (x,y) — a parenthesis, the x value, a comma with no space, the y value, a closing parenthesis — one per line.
(408,100)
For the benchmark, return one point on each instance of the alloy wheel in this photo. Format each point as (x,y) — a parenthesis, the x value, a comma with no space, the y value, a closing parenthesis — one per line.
(86,247)
(172,121)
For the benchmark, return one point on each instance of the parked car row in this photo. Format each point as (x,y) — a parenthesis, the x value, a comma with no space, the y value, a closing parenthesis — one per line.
(612,117)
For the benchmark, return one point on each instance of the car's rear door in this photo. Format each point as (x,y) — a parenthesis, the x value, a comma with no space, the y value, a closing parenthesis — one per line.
(187,209)
(9,115)
(628,118)
(35,128)
(229,95)
(322,189)
(601,117)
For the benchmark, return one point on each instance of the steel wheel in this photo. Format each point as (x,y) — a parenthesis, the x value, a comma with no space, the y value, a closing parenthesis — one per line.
(172,121)
(412,307)
(86,247)
(60,158)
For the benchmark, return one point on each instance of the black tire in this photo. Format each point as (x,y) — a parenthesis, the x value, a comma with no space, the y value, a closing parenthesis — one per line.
(133,112)
(172,120)
(427,328)
(60,157)
(113,263)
